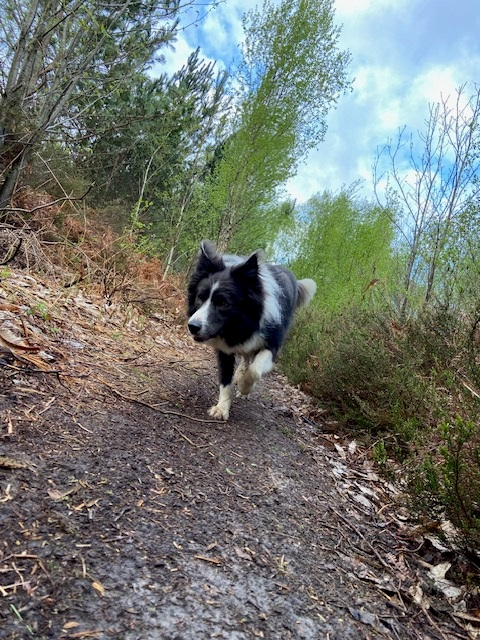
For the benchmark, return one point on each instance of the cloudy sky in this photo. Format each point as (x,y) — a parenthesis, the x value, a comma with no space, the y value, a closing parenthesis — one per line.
(405,55)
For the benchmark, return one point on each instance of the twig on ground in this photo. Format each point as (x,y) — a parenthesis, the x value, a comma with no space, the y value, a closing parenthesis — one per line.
(361,535)
(162,411)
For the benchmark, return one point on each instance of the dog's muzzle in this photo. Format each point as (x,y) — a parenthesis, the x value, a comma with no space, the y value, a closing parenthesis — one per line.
(194,328)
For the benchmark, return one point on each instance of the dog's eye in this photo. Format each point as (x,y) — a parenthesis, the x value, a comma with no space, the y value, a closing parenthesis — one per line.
(221,301)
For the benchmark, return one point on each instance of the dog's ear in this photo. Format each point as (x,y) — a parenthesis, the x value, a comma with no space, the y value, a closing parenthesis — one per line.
(248,269)
(209,261)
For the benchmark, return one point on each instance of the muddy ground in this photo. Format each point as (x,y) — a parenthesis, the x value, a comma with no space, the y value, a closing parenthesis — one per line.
(126,514)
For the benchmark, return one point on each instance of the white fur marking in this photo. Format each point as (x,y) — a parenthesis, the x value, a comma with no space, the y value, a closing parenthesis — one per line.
(272,310)
(202,314)
(251,345)
(247,378)
(221,410)
(307,289)
(262,363)
(241,369)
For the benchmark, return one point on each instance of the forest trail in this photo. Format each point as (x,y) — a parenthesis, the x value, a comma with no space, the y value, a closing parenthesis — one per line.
(126,514)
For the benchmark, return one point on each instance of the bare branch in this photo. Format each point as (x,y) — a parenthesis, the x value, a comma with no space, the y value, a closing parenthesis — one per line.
(54,202)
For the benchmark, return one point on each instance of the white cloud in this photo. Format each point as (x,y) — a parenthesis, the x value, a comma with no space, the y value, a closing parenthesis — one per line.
(355,7)
(175,59)
(437,81)
(405,54)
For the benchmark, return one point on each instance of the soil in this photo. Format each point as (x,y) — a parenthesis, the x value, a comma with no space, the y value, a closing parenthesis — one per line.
(126,514)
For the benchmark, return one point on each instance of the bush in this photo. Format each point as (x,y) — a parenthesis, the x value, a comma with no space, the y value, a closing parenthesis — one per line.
(412,386)
(447,483)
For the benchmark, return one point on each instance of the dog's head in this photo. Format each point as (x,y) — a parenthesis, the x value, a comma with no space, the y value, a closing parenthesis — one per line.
(224,295)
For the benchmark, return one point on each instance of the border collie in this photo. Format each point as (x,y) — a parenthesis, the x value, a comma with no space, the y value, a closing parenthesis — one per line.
(242,308)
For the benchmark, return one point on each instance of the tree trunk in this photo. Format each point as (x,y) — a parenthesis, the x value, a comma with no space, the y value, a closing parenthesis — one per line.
(13,173)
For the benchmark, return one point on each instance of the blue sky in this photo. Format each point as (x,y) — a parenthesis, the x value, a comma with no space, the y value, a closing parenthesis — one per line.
(405,55)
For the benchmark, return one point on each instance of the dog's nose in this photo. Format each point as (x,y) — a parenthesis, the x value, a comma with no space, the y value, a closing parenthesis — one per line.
(194,326)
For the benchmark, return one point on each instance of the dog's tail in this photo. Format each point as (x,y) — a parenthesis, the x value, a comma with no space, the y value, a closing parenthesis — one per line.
(306,289)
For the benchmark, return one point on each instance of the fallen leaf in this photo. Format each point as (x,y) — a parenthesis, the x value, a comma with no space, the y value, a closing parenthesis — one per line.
(439,571)
(438,574)
(466,616)
(70,624)
(360,498)
(99,587)
(340,450)
(209,559)
(417,594)
(57,495)
(85,634)
(243,554)
(211,546)
(13,343)
(5,461)
(364,617)
(436,542)
(369,619)
(472,631)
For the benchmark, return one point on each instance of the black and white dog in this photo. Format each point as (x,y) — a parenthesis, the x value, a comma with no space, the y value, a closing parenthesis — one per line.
(242,308)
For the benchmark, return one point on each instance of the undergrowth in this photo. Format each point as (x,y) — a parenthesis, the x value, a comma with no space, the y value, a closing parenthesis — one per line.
(77,245)
(409,387)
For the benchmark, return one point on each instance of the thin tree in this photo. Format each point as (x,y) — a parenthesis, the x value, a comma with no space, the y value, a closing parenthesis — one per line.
(430,182)
(291,73)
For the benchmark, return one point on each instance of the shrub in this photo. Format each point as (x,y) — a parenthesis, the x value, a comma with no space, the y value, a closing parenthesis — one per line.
(411,384)
(446,483)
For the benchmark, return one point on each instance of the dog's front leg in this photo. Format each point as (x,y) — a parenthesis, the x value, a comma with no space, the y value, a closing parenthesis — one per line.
(261,364)
(226,364)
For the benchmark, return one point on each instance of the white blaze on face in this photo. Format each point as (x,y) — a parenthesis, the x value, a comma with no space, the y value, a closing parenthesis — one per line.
(202,314)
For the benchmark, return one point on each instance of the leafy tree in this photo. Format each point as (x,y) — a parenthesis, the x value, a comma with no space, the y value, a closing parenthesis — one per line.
(140,140)
(198,105)
(156,162)
(58,59)
(290,75)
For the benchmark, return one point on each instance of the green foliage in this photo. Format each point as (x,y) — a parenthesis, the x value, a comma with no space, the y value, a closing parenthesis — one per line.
(399,383)
(53,170)
(382,374)
(379,453)
(291,73)
(158,142)
(457,274)
(344,244)
(447,483)
(58,59)
(434,203)
(391,341)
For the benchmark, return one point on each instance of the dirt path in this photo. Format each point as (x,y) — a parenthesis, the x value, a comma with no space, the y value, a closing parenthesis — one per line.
(123,517)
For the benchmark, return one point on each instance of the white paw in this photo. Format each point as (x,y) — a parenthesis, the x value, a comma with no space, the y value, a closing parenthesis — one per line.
(219,413)
(240,372)
(238,394)
(246,383)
